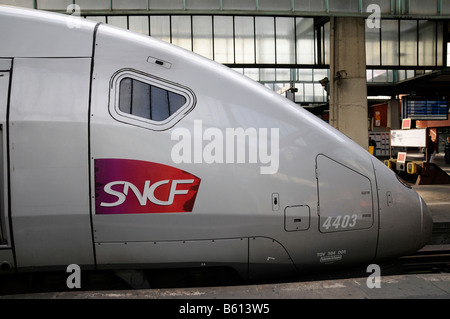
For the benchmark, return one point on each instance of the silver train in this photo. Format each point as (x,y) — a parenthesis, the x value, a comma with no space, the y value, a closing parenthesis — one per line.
(120,151)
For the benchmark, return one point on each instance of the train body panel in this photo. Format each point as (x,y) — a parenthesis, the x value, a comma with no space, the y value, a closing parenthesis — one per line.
(142,154)
(26,34)
(243,197)
(5,68)
(48,154)
(405,222)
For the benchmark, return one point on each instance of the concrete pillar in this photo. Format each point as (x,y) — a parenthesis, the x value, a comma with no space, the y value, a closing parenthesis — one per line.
(394,122)
(348,88)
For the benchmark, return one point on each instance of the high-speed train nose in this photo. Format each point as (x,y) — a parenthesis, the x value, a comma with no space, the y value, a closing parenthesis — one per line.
(427,223)
(405,224)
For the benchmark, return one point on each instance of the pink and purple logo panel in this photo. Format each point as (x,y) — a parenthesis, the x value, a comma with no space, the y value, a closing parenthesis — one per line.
(124,186)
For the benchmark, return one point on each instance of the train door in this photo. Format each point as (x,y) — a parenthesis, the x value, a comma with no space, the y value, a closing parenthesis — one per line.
(6,257)
(47,156)
(346,211)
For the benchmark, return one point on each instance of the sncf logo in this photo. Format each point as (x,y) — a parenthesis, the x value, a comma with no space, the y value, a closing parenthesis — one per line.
(148,192)
(136,187)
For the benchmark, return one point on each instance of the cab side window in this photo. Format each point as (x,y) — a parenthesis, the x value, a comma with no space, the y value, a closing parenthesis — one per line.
(148,101)
(143,100)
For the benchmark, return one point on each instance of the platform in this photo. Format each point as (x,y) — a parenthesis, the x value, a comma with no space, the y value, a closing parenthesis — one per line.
(437,198)
(424,286)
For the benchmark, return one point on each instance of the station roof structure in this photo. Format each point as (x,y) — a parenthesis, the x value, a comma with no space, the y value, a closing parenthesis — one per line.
(430,9)
(286,42)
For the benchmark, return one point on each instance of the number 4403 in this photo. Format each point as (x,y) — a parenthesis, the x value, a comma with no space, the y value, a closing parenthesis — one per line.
(345,221)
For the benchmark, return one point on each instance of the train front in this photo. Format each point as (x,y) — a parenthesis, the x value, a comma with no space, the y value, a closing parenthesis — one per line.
(405,224)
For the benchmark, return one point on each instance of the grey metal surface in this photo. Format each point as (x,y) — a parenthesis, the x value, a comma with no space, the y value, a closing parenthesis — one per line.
(60,123)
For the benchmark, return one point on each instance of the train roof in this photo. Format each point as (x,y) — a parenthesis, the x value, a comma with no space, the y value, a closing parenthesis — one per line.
(31,33)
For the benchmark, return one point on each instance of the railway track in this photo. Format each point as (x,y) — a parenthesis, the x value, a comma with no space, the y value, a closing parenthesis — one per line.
(430,259)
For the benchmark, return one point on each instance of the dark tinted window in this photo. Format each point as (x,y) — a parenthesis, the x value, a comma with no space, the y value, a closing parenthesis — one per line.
(148,101)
